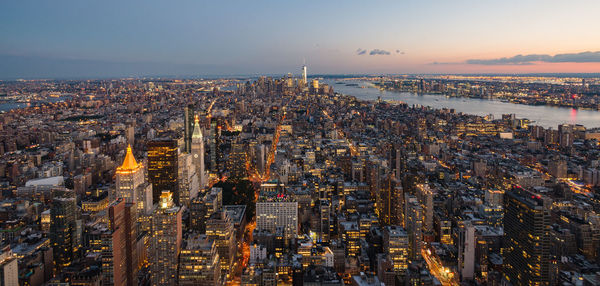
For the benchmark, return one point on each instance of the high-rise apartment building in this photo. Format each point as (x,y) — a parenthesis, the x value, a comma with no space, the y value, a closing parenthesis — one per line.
(163,162)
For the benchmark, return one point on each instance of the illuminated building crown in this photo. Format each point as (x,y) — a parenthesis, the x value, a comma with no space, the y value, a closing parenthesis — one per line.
(129,164)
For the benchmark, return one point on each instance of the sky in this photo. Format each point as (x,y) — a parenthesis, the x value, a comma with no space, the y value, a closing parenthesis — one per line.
(71,39)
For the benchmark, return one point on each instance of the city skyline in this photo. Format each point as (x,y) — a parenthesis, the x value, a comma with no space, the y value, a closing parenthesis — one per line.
(363,143)
(68,39)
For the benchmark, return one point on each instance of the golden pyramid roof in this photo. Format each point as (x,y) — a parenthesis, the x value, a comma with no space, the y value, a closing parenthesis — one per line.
(129,164)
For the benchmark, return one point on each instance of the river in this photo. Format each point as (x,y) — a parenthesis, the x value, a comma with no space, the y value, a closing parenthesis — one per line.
(546,116)
(10,105)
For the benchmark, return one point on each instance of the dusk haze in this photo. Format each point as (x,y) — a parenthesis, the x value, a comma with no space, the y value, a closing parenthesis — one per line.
(56,38)
(288,143)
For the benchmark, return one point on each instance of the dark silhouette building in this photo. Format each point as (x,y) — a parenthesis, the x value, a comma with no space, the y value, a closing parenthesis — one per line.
(162,168)
(526,238)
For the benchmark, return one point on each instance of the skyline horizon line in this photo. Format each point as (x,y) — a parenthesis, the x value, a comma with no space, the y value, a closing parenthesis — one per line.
(316,75)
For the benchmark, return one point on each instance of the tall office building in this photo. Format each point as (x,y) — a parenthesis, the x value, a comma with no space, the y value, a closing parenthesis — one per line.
(198,152)
(166,241)
(276,209)
(64,236)
(199,262)
(119,245)
(9,269)
(188,121)
(163,168)
(219,228)
(131,184)
(526,253)
(304,75)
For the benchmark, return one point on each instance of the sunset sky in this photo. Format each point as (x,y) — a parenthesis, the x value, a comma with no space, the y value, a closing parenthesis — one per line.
(185,38)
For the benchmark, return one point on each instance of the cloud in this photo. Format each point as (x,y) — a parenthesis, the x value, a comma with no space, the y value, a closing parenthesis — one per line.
(376,52)
(583,57)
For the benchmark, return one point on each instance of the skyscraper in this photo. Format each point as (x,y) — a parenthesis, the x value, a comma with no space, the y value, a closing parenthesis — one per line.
(63,228)
(526,250)
(119,245)
(132,185)
(304,80)
(197,149)
(188,121)
(166,241)
(163,168)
